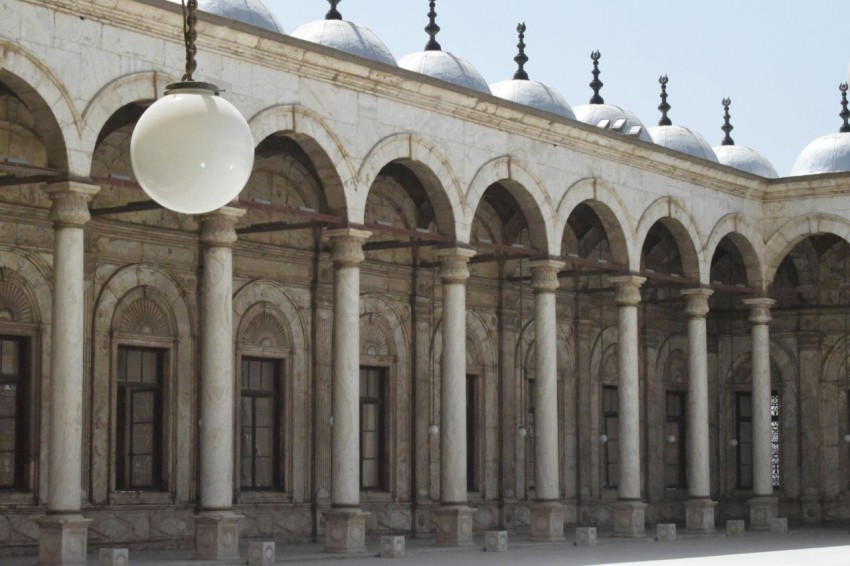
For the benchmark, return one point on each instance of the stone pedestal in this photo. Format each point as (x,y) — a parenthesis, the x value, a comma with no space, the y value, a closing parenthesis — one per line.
(261,554)
(63,540)
(811,509)
(699,515)
(496,541)
(345,531)
(735,528)
(779,526)
(392,546)
(629,519)
(452,526)
(547,522)
(217,535)
(665,532)
(762,512)
(585,536)
(113,557)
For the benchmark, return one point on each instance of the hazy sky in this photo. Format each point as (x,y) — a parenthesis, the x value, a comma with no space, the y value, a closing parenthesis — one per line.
(780,61)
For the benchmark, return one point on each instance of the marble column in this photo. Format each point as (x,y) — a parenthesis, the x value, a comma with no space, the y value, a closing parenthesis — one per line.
(345,530)
(699,509)
(452,521)
(629,511)
(64,531)
(811,412)
(547,512)
(216,526)
(763,505)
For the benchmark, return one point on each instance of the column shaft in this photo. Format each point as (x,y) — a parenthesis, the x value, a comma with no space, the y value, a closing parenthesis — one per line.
(762,467)
(697,415)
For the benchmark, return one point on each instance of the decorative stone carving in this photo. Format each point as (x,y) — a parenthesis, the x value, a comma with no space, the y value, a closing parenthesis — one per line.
(585,536)
(665,532)
(629,519)
(217,536)
(452,526)
(496,541)
(70,207)
(762,512)
(699,515)
(144,317)
(63,540)
(760,310)
(15,305)
(626,289)
(454,262)
(392,546)
(113,557)
(261,554)
(266,331)
(348,246)
(696,301)
(779,525)
(544,275)
(547,522)
(219,228)
(345,531)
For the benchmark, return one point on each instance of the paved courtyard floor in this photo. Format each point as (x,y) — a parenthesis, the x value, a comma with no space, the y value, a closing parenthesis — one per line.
(802,546)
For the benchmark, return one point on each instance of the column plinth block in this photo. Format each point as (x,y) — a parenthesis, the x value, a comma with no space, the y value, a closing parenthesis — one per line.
(665,532)
(217,535)
(261,554)
(345,531)
(392,546)
(452,526)
(811,508)
(547,522)
(699,515)
(779,525)
(585,536)
(735,528)
(496,541)
(629,519)
(762,512)
(63,540)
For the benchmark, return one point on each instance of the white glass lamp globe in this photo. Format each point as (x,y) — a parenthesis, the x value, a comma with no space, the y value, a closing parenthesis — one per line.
(192,151)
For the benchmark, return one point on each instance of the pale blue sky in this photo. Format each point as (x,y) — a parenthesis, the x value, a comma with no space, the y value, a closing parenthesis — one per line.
(780,61)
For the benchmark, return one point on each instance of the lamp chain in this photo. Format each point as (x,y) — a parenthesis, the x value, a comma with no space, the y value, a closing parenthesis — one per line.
(190,19)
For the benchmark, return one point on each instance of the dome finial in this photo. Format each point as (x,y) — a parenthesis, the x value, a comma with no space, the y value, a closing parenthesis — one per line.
(432,29)
(845,114)
(521,58)
(596,84)
(333,13)
(727,125)
(664,107)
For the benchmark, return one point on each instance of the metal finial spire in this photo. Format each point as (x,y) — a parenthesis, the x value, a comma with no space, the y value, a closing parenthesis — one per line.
(432,29)
(727,125)
(596,84)
(664,107)
(845,114)
(521,58)
(333,13)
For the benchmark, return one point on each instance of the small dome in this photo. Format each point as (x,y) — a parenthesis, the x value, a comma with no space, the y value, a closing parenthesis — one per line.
(446,67)
(685,140)
(534,94)
(827,154)
(251,12)
(346,36)
(745,159)
(596,114)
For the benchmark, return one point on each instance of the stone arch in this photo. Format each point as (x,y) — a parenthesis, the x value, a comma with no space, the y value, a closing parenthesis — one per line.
(57,120)
(392,323)
(746,238)
(671,361)
(604,352)
(673,214)
(328,153)
(792,232)
(612,211)
(836,358)
(33,277)
(114,96)
(286,328)
(527,189)
(429,164)
(128,295)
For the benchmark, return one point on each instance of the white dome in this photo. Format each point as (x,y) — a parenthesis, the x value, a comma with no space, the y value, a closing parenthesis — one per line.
(251,12)
(593,114)
(534,94)
(446,67)
(685,140)
(745,159)
(346,36)
(827,154)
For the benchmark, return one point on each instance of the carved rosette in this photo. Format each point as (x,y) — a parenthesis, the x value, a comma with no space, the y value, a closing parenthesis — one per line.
(696,302)
(760,309)
(70,207)
(347,246)
(627,289)
(454,264)
(544,275)
(219,228)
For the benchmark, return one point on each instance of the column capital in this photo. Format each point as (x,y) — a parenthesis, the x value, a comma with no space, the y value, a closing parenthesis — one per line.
(696,301)
(218,228)
(760,309)
(347,246)
(454,264)
(70,203)
(626,289)
(544,275)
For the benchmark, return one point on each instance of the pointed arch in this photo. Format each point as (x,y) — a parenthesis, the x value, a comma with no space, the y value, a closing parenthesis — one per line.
(783,240)
(673,214)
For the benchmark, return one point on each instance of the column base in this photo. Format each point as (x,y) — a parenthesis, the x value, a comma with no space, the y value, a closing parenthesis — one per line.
(547,522)
(762,512)
(345,531)
(699,516)
(452,525)
(63,540)
(217,535)
(630,519)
